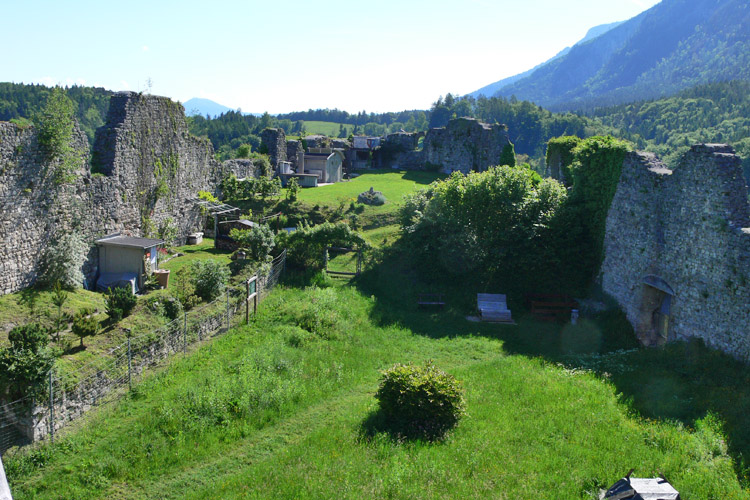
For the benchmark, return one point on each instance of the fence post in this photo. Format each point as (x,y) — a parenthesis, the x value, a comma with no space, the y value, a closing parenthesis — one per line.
(247,302)
(51,409)
(227,308)
(130,367)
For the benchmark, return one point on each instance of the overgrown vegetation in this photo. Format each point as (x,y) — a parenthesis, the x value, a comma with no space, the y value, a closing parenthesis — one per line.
(495,227)
(56,127)
(120,303)
(508,229)
(307,244)
(24,365)
(208,278)
(63,260)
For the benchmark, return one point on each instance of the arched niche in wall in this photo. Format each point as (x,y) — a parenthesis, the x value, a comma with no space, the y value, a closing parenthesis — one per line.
(654,311)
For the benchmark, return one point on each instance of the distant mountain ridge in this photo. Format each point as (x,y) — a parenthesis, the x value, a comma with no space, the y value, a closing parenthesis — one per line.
(672,46)
(203,107)
(493,88)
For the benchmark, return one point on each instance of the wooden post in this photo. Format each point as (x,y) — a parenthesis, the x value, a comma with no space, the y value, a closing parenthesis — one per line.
(247,302)
(130,367)
(51,408)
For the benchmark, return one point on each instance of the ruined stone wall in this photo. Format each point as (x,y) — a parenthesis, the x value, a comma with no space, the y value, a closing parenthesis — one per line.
(273,140)
(687,231)
(464,145)
(147,168)
(293,148)
(241,168)
(33,207)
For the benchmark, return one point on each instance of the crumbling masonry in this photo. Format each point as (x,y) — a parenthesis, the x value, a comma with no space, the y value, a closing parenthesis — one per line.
(677,249)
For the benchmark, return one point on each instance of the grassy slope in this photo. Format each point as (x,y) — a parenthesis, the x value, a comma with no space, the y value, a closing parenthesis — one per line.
(331,129)
(275,411)
(15,310)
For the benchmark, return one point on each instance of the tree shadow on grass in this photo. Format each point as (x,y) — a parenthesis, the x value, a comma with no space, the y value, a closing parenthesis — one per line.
(682,381)
(377,425)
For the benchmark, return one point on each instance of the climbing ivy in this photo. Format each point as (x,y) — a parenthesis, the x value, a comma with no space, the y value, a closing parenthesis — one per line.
(595,173)
(562,148)
(508,156)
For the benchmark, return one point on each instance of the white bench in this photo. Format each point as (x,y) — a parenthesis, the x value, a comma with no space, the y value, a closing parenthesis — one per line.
(493,307)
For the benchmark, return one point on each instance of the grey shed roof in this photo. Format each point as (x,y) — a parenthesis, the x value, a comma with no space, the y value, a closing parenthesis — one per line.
(127,241)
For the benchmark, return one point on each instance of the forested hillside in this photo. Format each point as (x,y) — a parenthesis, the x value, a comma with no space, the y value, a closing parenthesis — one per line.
(22,101)
(717,112)
(672,46)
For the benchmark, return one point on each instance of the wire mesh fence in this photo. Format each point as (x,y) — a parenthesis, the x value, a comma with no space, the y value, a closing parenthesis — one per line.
(67,398)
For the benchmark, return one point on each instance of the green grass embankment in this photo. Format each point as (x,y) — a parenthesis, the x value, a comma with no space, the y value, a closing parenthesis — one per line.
(281,409)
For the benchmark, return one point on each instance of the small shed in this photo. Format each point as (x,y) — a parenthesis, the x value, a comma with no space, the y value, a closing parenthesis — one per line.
(122,261)
(222,239)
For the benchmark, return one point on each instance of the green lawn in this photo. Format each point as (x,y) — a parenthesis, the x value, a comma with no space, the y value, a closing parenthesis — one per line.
(204,251)
(331,129)
(394,184)
(283,408)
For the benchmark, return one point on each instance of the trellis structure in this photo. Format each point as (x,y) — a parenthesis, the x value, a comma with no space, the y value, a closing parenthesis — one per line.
(344,250)
(217,209)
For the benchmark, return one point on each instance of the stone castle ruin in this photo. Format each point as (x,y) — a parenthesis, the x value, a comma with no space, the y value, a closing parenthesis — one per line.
(677,242)
(677,249)
(464,145)
(147,169)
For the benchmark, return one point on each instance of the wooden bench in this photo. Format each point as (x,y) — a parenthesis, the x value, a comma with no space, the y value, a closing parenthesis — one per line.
(550,307)
(493,307)
(431,300)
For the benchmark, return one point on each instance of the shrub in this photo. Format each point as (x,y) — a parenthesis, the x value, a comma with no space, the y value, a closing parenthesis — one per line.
(184,289)
(209,278)
(62,262)
(293,188)
(259,241)
(420,401)
(32,337)
(307,245)
(172,308)
(371,197)
(85,325)
(24,365)
(120,303)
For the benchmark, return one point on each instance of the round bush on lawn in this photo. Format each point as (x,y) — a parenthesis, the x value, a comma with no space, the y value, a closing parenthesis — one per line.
(420,400)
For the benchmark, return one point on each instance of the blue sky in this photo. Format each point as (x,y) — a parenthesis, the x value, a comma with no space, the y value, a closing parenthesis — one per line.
(295,55)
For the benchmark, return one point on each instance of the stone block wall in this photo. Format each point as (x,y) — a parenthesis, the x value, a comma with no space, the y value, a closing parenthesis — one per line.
(147,168)
(686,232)
(274,141)
(464,145)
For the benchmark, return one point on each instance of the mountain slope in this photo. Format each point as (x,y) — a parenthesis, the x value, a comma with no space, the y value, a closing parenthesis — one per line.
(494,88)
(674,45)
(198,106)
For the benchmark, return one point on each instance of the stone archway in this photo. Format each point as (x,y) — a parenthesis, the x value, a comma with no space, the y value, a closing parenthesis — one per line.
(654,311)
